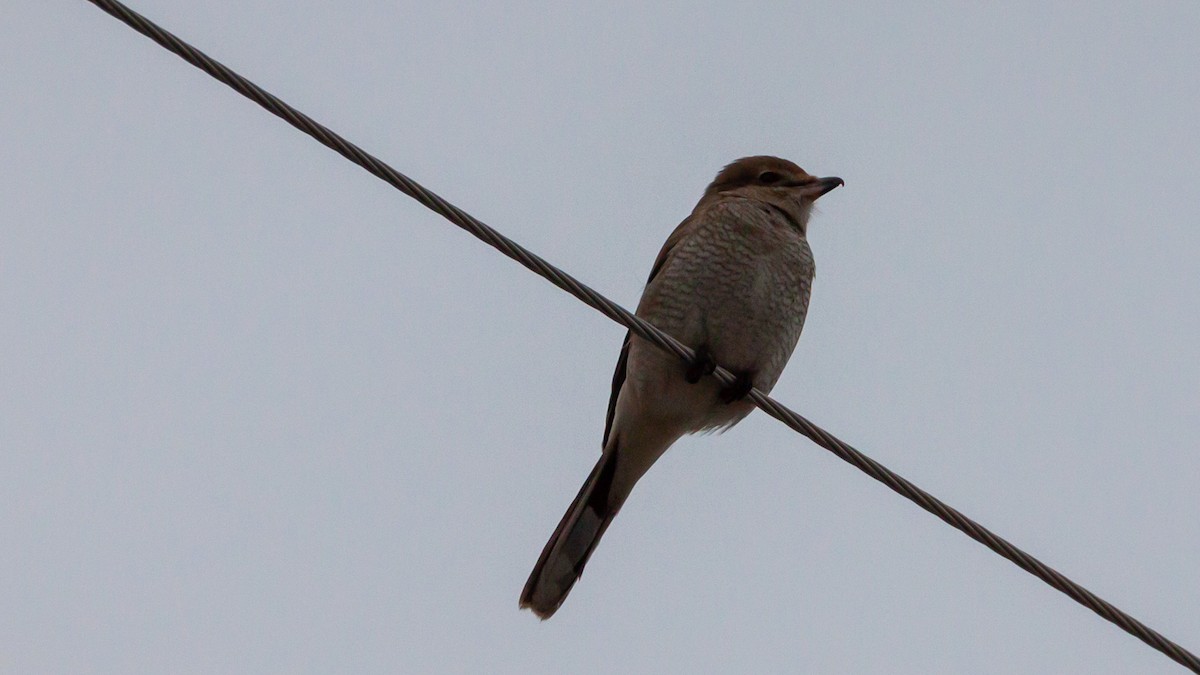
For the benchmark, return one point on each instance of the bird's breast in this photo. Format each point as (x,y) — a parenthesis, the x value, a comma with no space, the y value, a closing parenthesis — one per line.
(738,283)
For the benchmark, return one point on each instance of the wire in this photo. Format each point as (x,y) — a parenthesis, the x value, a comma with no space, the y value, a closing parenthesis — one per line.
(646,331)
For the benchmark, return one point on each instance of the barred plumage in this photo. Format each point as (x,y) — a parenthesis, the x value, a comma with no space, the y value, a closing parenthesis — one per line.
(733,280)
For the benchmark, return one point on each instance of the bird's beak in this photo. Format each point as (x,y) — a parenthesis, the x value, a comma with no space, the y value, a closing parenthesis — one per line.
(822,185)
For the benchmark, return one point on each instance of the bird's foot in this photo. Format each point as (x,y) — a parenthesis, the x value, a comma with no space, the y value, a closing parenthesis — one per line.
(740,388)
(703,364)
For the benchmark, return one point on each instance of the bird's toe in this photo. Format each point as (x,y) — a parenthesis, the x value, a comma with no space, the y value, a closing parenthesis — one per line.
(740,388)
(703,364)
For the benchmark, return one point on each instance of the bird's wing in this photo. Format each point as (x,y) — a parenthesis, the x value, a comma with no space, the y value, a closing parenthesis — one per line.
(680,232)
(618,380)
(623,359)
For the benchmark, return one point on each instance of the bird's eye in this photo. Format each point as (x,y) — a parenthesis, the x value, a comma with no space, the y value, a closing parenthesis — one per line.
(769,177)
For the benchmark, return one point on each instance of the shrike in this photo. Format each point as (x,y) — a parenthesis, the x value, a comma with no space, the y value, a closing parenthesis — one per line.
(733,282)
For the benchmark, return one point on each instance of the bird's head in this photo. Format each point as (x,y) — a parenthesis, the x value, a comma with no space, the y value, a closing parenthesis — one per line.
(774,181)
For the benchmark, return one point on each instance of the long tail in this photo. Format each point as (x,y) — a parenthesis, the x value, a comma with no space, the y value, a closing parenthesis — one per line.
(566,553)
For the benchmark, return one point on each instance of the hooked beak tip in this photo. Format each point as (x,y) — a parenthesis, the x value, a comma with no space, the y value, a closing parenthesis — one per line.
(825,185)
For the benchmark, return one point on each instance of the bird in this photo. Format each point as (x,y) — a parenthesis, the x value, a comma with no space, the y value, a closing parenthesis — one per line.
(733,282)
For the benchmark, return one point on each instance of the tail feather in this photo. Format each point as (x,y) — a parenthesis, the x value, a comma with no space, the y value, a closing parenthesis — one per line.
(573,541)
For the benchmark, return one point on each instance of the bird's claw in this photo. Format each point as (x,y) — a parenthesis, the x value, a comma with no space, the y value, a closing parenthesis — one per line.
(702,364)
(740,388)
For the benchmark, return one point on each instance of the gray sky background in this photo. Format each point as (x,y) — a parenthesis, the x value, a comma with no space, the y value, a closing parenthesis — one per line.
(262,413)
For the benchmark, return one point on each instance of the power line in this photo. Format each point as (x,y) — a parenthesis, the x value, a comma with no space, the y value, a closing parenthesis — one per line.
(644,330)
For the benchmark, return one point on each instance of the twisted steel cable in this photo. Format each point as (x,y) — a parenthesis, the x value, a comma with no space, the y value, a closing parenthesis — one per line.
(644,330)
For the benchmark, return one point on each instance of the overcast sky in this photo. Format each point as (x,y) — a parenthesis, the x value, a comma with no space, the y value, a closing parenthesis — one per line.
(261,413)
